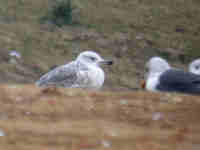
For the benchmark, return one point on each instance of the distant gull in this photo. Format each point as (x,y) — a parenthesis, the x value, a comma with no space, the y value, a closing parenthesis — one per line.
(194,67)
(14,53)
(84,72)
(161,77)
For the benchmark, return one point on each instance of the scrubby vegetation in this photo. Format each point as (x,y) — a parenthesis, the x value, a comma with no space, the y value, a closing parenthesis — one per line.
(60,14)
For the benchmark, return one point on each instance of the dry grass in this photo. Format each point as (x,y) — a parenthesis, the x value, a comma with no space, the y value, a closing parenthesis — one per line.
(127,31)
(46,119)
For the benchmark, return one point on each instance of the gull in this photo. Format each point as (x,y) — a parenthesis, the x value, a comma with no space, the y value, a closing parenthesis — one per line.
(194,67)
(84,72)
(162,77)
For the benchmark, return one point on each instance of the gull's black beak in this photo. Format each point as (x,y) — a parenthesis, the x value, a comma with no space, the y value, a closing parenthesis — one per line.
(106,62)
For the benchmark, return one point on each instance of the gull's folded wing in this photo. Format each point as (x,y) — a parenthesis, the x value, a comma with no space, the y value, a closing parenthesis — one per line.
(179,81)
(64,75)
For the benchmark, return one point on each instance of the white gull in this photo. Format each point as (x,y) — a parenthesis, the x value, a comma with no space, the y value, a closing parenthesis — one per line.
(194,67)
(84,72)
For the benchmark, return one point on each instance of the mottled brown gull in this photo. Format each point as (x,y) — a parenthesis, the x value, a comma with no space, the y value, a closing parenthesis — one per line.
(84,72)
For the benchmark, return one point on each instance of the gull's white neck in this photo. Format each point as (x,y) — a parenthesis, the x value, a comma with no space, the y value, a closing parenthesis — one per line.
(152,81)
(94,74)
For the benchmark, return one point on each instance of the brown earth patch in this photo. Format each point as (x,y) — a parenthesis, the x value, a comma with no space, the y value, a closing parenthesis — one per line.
(45,119)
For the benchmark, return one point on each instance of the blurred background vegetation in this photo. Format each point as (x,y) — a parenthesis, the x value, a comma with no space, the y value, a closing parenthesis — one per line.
(48,33)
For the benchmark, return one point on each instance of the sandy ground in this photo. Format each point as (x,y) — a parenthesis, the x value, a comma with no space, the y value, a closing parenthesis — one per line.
(49,119)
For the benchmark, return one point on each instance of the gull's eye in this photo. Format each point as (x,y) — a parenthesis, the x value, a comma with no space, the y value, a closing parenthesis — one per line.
(93,58)
(197,67)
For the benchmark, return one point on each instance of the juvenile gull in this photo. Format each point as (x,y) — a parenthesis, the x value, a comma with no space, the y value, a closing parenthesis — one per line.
(84,72)
(161,77)
(194,67)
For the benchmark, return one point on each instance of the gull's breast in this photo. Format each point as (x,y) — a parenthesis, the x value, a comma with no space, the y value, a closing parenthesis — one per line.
(92,78)
(96,78)
(152,82)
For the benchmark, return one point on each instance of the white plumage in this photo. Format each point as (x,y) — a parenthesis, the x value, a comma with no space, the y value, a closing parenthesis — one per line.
(84,72)
(194,67)
(155,66)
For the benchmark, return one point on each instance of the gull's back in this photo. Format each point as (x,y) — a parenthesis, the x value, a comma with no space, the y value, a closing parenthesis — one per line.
(176,80)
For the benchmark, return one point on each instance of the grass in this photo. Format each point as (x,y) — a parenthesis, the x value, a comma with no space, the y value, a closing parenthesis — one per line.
(107,26)
(60,14)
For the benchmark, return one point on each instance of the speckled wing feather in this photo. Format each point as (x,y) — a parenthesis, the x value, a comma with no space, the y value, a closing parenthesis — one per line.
(65,76)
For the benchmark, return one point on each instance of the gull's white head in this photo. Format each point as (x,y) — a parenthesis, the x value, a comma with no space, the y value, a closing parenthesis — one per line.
(153,69)
(194,66)
(92,58)
(157,65)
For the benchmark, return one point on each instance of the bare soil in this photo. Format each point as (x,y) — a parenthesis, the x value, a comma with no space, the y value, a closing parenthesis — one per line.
(49,119)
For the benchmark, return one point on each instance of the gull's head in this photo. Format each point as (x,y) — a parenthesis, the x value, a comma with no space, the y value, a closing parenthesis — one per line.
(156,65)
(194,66)
(92,58)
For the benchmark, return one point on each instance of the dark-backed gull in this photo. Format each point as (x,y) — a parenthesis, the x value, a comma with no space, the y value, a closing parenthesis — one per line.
(161,77)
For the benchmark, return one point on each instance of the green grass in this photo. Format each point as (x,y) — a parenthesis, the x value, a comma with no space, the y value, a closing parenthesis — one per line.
(60,14)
